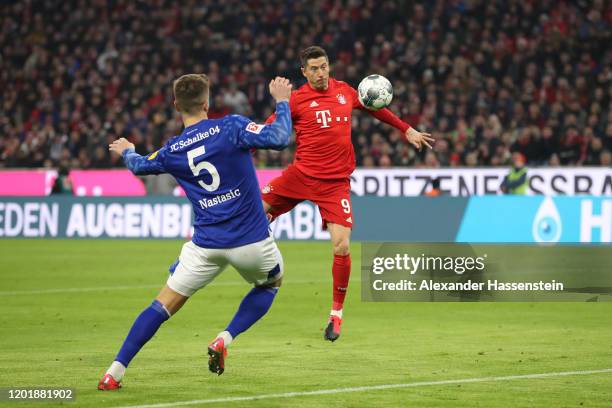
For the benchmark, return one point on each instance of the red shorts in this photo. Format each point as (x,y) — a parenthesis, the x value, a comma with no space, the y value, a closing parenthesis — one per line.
(333,197)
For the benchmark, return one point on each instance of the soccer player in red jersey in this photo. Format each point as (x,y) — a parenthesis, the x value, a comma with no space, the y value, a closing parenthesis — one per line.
(321,112)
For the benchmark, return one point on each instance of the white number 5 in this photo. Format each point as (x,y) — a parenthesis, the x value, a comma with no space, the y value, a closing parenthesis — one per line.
(204,165)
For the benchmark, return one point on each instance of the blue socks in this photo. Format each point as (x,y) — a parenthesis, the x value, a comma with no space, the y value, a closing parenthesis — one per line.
(252,308)
(144,327)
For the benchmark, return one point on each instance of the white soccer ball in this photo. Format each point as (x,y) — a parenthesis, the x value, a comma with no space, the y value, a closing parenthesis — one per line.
(375,92)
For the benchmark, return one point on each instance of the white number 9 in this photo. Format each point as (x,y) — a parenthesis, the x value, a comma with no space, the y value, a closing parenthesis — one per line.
(204,165)
(346,205)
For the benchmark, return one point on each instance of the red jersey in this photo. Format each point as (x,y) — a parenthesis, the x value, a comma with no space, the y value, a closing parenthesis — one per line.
(322,121)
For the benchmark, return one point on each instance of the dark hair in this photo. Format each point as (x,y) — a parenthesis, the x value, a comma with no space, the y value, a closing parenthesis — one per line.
(312,52)
(191,92)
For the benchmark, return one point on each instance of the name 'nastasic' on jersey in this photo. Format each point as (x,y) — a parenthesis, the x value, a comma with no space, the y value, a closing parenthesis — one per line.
(218,199)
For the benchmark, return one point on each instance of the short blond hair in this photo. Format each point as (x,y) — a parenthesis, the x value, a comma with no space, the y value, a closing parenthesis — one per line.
(191,92)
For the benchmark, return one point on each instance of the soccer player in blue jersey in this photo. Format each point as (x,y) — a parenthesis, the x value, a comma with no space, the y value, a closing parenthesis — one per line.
(211,160)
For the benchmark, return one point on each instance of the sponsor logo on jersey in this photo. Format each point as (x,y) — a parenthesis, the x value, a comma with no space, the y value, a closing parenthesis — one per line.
(267,188)
(323,117)
(349,219)
(254,128)
(153,155)
(341,99)
(314,104)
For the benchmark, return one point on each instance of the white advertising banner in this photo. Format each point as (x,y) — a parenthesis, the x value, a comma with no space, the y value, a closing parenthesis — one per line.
(550,181)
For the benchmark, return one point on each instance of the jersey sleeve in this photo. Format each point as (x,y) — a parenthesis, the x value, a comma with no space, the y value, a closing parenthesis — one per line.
(384,115)
(270,119)
(292,108)
(275,135)
(390,118)
(144,165)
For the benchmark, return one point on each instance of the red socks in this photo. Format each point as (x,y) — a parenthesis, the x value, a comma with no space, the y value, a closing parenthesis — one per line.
(341,271)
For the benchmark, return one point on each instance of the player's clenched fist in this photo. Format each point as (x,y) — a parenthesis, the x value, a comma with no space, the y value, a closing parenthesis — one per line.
(280,89)
(119,145)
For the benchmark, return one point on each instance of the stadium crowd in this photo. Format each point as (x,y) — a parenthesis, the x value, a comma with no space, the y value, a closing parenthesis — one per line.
(487,78)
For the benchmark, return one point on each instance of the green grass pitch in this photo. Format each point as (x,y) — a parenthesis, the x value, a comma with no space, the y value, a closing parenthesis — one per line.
(67,338)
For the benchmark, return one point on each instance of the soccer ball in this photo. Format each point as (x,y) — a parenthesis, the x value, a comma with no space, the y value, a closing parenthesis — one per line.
(375,92)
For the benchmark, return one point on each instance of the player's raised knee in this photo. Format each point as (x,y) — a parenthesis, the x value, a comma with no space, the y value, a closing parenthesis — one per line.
(277,283)
(342,247)
(275,277)
(267,207)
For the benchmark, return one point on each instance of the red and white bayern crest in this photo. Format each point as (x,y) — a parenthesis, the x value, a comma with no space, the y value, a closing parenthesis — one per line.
(341,99)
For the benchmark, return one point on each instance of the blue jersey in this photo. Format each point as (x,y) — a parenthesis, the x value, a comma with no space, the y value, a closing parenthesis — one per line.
(211,160)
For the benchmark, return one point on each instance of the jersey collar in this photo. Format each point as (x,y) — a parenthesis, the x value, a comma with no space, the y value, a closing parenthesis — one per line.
(194,125)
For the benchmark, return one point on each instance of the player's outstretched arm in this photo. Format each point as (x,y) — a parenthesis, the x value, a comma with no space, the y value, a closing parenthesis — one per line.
(413,136)
(137,164)
(275,135)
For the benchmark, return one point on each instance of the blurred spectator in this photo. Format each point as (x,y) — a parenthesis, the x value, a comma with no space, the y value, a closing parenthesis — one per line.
(236,100)
(62,184)
(435,188)
(488,78)
(516,182)
(605,158)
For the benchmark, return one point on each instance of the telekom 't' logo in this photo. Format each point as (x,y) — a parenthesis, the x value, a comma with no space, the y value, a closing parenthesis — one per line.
(323,117)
